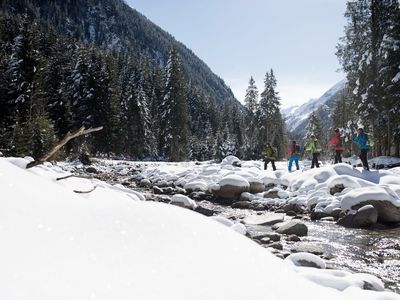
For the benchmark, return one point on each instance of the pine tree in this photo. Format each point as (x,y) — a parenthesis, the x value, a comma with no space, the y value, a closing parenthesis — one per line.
(174,122)
(251,105)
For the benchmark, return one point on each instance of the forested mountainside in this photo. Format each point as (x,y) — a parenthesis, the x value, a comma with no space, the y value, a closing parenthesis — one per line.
(112,24)
(64,64)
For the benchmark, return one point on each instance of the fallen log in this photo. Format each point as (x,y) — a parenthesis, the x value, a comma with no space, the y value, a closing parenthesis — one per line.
(69,136)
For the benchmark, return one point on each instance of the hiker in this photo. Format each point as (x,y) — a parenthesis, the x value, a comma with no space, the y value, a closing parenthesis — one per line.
(362,139)
(336,143)
(269,156)
(293,153)
(314,150)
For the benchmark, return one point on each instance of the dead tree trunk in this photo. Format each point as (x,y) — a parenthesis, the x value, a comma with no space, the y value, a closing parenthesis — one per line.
(69,136)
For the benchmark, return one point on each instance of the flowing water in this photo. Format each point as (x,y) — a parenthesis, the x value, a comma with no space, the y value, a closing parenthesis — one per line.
(375,252)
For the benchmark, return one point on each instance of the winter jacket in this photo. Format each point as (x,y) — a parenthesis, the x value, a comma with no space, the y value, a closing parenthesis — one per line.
(335,141)
(312,146)
(293,150)
(269,153)
(361,139)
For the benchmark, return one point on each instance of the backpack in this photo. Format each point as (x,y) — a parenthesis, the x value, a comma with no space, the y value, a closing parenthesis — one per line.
(298,149)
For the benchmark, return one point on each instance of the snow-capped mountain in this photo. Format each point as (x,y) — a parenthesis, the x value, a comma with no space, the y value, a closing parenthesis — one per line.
(296,116)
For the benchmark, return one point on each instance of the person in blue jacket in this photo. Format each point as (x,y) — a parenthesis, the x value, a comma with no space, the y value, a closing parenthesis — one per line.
(362,139)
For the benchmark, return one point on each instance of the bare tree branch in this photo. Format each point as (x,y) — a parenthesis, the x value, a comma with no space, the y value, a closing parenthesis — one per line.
(69,136)
(85,192)
(73,175)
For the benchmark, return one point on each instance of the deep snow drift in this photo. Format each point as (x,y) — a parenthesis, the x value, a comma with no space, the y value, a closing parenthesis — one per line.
(109,244)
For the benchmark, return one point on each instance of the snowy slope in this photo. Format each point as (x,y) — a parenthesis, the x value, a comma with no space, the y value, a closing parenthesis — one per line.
(108,244)
(296,116)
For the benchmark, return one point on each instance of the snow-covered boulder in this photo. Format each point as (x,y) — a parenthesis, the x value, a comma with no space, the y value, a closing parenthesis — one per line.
(196,185)
(256,185)
(183,201)
(305,259)
(231,187)
(385,201)
(231,161)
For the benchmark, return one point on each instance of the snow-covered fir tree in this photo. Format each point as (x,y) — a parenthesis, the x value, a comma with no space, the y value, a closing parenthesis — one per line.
(369,53)
(270,121)
(174,122)
(251,105)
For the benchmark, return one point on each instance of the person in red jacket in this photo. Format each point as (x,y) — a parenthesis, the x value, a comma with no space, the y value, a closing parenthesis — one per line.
(336,143)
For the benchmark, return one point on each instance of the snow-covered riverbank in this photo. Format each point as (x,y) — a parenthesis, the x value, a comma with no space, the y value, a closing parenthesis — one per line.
(109,244)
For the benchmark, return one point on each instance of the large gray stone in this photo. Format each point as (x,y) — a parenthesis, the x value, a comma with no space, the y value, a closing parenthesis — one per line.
(232,192)
(271,194)
(365,217)
(293,227)
(387,211)
(267,219)
(256,186)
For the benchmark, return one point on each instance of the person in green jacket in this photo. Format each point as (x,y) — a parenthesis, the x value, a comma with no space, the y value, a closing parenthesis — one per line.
(269,156)
(312,147)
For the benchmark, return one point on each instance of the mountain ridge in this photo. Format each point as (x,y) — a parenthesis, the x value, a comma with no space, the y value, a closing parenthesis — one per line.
(296,117)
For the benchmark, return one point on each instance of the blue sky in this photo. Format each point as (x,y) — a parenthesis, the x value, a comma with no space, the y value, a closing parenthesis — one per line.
(242,38)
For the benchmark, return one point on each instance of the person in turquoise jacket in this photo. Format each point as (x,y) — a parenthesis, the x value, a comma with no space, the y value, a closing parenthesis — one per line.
(293,154)
(362,141)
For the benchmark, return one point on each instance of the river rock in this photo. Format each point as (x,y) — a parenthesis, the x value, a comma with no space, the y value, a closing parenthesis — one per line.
(307,247)
(387,211)
(246,196)
(365,217)
(241,204)
(384,199)
(231,160)
(271,194)
(145,183)
(266,219)
(231,187)
(265,240)
(336,213)
(204,211)
(273,236)
(256,185)
(157,190)
(201,196)
(276,245)
(337,189)
(293,227)
(291,213)
(196,186)
(183,201)
(293,238)
(92,170)
(318,214)
(304,259)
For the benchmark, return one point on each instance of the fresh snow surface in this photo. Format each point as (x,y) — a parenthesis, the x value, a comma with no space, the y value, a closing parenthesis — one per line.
(108,244)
